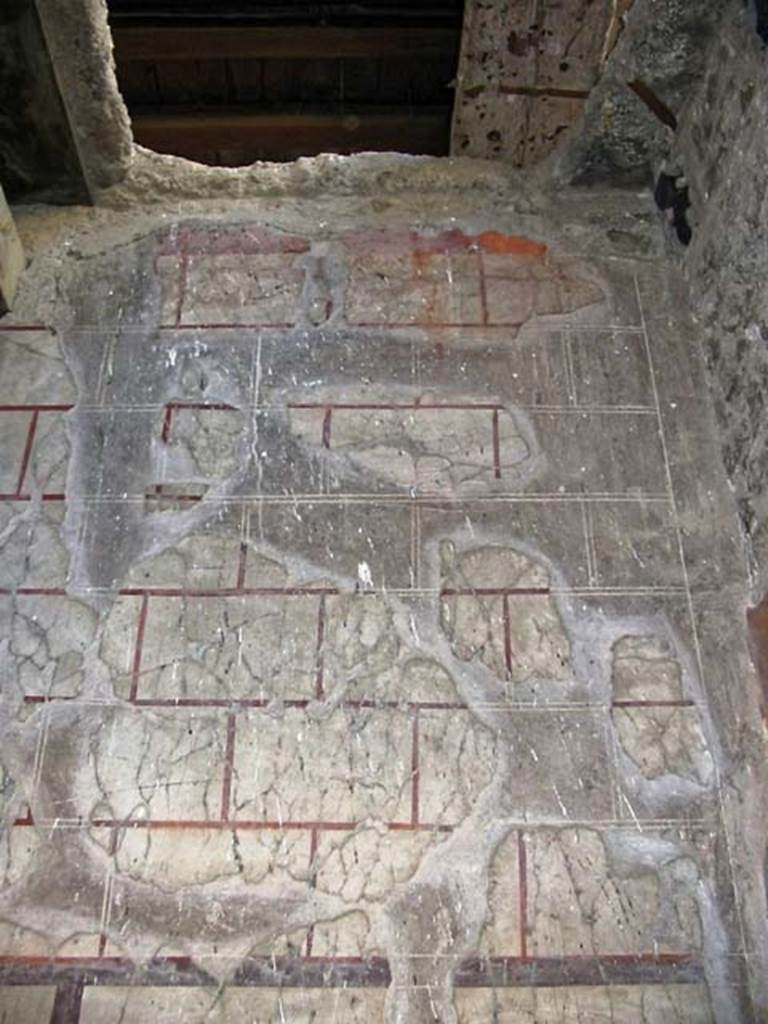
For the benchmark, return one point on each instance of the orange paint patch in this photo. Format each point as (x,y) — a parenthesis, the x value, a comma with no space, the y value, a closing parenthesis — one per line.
(494,241)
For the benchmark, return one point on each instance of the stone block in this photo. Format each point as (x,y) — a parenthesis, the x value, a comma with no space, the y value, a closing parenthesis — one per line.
(11,256)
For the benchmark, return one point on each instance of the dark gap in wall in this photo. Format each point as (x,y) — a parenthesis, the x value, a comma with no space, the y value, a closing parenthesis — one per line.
(673,198)
(761,10)
(235,82)
(38,159)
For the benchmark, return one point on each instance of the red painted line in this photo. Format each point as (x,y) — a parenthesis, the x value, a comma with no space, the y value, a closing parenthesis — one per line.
(27,451)
(167,424)
(229,766)
(415,773)
(26,327)
(137,651)
(327,418)
(26,497)
(224,592)
(35,591)
(111,852)
(183,274)
(535,91)
(496,446)
(319,660)
(36,407)
(483,288)
(507,635)
(242,564)
(653,704)
(313,843)
(522,865)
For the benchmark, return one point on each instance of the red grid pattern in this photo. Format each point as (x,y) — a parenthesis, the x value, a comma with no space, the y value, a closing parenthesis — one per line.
(414,407)
(621,967)
(188,246)
(166,431)
(34,412)
(149,596)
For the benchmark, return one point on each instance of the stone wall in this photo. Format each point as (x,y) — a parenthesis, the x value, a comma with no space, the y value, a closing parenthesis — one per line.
(722,148)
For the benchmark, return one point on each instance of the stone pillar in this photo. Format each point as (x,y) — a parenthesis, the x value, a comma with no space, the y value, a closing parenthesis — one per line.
(79,42)
(11,256)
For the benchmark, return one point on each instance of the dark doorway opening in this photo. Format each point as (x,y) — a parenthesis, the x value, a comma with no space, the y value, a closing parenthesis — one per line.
(232,83)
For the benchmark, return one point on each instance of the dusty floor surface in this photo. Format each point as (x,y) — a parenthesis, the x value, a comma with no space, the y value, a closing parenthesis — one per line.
(364,595)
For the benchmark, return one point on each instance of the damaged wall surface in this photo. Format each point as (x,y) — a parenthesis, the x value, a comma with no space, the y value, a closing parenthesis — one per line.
(372,592)
(365,621)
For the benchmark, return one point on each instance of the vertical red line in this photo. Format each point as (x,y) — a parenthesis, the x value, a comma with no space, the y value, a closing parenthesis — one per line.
(167,422)
(415,768)
(327,427)
(229,766)
(108,895)
(165,433)
(319,662)
(241,564)
(483,288)
(496,446)
(137,651)
(68,1000)
(183,273)
(507,634)
(27,451)
(522,864)
(313,844)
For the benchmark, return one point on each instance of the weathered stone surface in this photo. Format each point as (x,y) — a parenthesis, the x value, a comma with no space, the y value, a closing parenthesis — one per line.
(722,148)
(524,75)
(11,256)
(627,132)
(79,42)
(286,709)
(38,157)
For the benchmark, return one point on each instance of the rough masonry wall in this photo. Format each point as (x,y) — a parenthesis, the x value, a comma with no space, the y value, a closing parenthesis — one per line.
(628,125)
(722,148)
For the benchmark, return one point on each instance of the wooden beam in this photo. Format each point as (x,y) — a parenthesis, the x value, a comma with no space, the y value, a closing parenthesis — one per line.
(166,43)
(239,139)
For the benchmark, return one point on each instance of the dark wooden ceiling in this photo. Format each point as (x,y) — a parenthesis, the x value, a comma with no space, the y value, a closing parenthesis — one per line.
(231,83)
